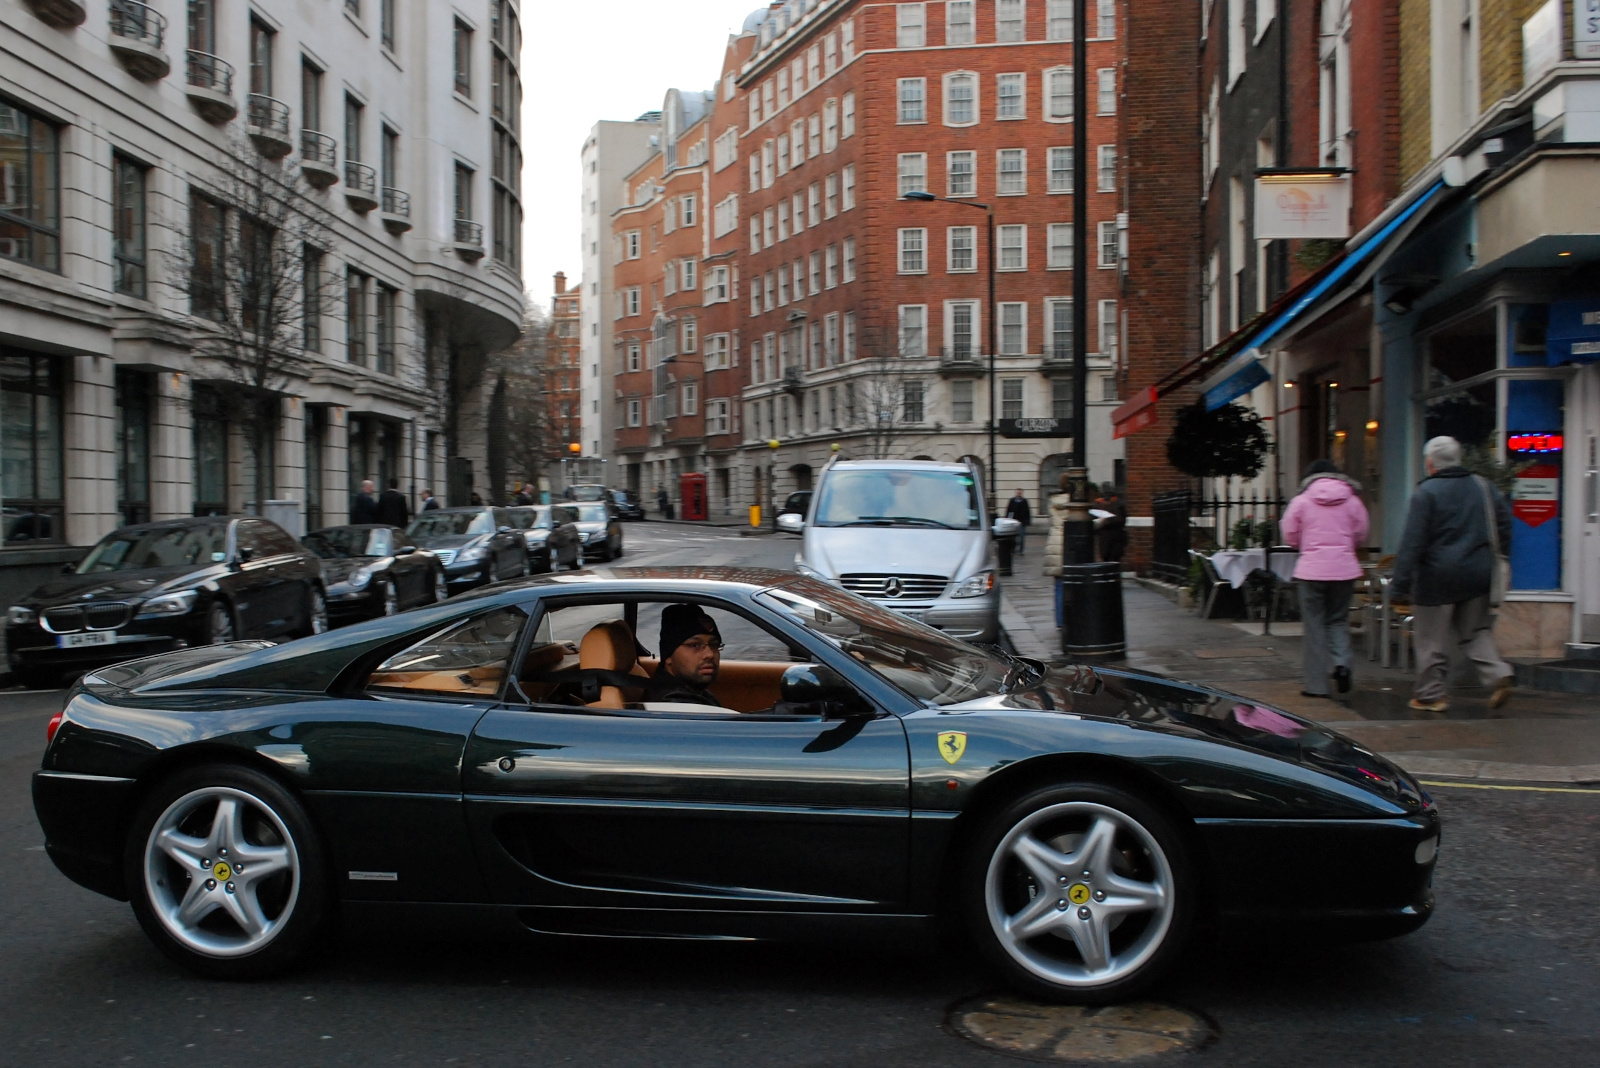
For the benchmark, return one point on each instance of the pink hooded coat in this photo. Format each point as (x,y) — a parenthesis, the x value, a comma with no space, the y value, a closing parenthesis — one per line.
(1327,522)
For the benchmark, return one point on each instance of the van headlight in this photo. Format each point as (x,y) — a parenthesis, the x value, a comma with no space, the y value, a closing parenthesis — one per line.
(976,586)
(168,604)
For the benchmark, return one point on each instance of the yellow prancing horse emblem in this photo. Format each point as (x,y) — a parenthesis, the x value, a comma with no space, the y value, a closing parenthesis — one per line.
(951,745)
(1078,893)
(221,871)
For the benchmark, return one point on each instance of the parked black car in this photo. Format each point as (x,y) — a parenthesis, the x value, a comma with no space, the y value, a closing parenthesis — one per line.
(476,545)
(373,570)
(157,586)
(600,530)
(551,534)
(629,507)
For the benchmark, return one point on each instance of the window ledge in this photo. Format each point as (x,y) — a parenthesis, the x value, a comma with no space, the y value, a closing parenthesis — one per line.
(352,20)
(466,100)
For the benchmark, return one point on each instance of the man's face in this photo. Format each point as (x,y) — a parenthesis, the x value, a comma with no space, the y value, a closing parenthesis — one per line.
(697,660)
(367,487)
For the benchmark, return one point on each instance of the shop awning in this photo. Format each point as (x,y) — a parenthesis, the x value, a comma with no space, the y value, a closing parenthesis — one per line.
(1233,366)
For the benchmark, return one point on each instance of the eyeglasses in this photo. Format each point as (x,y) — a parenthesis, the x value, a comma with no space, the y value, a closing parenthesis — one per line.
(697,646)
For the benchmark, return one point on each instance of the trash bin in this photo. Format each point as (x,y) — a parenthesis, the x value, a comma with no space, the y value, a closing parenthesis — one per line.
(1089,612)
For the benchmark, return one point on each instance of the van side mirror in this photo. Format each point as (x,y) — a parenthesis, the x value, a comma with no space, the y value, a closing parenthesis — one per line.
(822,689)
(1007,528)
(792,523)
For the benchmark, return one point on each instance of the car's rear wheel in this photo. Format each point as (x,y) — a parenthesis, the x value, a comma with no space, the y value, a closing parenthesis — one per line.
(220,625)
(225,873)
(316,612)
(1080,892)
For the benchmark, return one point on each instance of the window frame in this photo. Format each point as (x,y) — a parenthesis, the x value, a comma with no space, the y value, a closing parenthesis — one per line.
(949,82)
(905,237)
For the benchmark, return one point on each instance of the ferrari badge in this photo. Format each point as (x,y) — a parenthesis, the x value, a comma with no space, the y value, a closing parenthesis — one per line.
(951,745)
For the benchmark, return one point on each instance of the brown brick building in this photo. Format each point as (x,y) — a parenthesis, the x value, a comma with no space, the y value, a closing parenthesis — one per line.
(563,408)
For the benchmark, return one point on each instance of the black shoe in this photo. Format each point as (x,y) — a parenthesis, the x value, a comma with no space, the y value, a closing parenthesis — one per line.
(1341,678)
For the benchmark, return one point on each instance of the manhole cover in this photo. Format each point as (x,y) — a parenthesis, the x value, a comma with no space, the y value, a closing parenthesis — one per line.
(1080,1034)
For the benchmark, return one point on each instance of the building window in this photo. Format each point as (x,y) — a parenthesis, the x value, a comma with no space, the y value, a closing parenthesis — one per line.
(850,354)
(463,192)
(1058,340)
(849,259)
(1058,94)
(961,400)
(1013,172)
(1061,170)
(1108,328)
(261,48)
(830,196)
(814,205)
(386,22)
(631,300)
(849,194)
(913,248)
(1011,398)
(717,417)
(32,455)
(1061,399)
(1107,28)
(316,431)
(830,54)
(1008,21)
(355,317)
(689,334)
(1013,329)
(830,125)
(913,172)
(691,398)
(687,272)
(207,252)
(913,99)
(311,283)
(814,135)
(30,198)
(127,226)
(1107,91)
(913,330)
(1060,255)
(1058,20)
(962,255)
(910,26)
(912,398)
(1108,244)
(716,352)
(310,96)
(463,58)
(1009,90)
(961,333)
(634,356)
(384,321)
(634,414)
(960,99)
(1107,169)
(959,23)
(961,170)
(352,129)
(830,266)
(847,120)
(1013,248)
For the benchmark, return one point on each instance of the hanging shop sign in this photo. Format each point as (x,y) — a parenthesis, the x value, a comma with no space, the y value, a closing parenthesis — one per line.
(1541,41)
(1536,494)
(1302,204)
(1135,415)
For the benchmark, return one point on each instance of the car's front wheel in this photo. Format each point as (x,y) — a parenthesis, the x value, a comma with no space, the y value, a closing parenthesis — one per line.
(225,874)
(1080,892)
(441,588)
(316,612)
(220,625)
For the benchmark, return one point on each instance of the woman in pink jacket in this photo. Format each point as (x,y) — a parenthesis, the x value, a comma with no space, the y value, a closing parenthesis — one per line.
(1327,522)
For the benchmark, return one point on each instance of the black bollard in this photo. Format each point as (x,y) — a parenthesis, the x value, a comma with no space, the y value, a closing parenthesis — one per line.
(1090,609)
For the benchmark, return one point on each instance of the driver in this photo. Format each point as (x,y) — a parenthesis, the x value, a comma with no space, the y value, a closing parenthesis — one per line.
(691,653)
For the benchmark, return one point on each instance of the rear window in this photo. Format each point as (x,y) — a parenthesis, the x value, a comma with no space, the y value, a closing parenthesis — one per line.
(448,524)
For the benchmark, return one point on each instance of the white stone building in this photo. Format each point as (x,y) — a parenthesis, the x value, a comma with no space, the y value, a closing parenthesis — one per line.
(118,120)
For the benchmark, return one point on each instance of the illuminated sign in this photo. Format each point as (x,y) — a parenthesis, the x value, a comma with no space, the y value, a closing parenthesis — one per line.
(1534,442)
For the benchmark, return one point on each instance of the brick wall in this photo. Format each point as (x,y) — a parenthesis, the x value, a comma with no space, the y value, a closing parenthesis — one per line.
(1416,112)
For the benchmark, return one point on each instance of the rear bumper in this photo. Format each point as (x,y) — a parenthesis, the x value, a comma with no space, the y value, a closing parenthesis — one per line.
(84,818)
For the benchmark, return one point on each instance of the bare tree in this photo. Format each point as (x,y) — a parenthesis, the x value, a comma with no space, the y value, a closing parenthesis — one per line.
(885,399)
(518,427)
(252,261)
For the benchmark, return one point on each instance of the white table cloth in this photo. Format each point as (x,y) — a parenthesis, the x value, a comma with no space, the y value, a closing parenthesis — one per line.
(1234,565)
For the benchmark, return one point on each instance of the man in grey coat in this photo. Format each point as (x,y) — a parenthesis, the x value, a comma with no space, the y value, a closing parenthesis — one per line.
(1445,566)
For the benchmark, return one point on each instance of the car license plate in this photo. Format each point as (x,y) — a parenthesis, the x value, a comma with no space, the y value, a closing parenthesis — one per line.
(919,615)
(92,637)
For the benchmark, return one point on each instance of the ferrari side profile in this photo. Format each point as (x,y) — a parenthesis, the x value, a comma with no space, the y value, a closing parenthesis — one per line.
(842,767)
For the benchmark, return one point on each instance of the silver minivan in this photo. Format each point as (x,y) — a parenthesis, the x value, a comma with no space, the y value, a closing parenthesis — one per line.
(913,535)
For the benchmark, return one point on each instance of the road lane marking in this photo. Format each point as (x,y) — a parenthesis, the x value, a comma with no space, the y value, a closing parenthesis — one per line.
(1506,786)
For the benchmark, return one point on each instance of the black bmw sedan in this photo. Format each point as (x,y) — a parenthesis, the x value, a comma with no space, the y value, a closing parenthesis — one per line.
(476,545)
(167,585)
(374,570)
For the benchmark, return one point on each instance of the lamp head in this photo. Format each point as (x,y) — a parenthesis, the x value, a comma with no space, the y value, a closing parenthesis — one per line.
(919,195)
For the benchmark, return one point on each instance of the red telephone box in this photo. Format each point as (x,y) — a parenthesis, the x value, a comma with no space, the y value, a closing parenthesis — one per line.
(692,495)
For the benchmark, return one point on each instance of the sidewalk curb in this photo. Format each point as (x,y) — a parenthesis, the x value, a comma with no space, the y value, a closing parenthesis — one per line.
(1497,771)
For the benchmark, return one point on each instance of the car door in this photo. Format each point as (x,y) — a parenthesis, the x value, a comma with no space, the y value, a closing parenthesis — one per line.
(254,584)
(293,576)
(714,810)
(506,547)
(412,573)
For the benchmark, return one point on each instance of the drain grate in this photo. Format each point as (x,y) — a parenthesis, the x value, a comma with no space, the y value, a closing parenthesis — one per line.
(1079,1034)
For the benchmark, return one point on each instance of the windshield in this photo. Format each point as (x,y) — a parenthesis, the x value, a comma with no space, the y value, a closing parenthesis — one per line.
(587,493)
(446,524)
(129,550)
(341,543)
(924,662)
(899,498)
(592,513)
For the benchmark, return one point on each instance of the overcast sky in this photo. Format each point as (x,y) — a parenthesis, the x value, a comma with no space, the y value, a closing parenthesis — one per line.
(587,60)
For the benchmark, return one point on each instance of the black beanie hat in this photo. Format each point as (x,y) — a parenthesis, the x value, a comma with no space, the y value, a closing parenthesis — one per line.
(680,622)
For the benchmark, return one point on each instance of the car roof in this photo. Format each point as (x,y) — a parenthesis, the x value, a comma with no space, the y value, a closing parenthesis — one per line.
(185,521)
(355,526)
(901,465)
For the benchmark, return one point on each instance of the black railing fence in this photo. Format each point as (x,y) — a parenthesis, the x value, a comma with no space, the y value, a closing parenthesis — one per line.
(1228,521)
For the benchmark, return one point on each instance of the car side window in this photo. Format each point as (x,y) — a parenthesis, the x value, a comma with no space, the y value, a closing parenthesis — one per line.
(276,541)
(468,658)
(502,518)
(250,543)
(564,513)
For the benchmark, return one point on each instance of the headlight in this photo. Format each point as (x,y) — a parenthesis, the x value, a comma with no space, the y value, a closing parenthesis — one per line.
(976,586)
(359,578)
(20,615)
(598,535)
(168,604)
(477,552)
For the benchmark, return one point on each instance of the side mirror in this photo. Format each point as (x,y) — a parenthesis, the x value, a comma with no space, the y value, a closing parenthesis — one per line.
(504,530)
(792,523)
(824,689)
(245,554)
(67,569)
(1007,528)
(405,550)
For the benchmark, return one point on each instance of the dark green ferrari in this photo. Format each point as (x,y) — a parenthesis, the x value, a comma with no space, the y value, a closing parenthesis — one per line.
(833,767)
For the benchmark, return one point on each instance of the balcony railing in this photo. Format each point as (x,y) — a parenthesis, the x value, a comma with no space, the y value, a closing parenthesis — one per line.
(319,158)
(396,210)
(960,360)
(207,71)
(268,123)
(360,186)
(137,33)
(469,232)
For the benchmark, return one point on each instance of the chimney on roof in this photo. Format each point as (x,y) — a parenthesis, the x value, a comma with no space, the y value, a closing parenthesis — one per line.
(561,282)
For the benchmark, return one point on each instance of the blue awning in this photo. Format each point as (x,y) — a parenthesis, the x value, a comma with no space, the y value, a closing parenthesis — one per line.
(1244,372)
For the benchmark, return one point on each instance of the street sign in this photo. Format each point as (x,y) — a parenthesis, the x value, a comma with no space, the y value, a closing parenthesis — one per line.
(1035,428)
(1136,414)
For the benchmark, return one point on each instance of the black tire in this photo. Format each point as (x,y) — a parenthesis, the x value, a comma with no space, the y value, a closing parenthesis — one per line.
(997,891)
(293,903)
(618,553)
(316,613)
(222,623)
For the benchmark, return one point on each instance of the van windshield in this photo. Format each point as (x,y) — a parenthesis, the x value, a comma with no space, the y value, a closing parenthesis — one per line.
(885,497)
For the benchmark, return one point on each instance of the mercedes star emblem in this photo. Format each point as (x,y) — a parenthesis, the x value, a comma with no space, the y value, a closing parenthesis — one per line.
(892,587)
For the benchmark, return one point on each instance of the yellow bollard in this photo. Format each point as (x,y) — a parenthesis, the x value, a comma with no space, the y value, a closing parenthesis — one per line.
(755,515)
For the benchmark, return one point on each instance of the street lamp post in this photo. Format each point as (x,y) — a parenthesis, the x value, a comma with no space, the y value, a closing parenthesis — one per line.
(991,475)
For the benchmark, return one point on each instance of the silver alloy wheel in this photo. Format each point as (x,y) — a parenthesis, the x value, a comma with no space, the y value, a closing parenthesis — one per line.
(226,885)
(441,588)
(391,599)
(319,612)
(220,623)
(1079,894)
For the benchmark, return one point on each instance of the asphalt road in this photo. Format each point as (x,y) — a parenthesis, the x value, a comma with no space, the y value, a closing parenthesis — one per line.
(1504,975)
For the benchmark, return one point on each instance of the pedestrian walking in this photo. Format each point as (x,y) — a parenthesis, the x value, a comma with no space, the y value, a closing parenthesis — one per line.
(1017,508)
(429,501)
(1111,530)
(364,505)
(1457,529)
(393,508)
(1327,522)
(1055,539)
(663,502)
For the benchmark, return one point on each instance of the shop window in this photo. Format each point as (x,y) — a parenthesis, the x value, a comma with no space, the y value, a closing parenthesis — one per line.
(133,447)
(210,454)
(31,451)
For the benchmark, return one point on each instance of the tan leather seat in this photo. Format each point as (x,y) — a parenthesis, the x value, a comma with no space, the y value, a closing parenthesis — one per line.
(608,646)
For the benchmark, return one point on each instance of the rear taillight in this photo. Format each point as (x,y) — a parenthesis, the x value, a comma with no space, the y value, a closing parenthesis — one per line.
(53,726)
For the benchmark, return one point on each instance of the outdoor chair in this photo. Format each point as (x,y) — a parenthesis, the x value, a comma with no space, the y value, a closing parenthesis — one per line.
(1213,582)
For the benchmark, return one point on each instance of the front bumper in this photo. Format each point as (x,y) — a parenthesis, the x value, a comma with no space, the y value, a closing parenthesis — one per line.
(29,647)
(466,576)
(345,604)
(971,619)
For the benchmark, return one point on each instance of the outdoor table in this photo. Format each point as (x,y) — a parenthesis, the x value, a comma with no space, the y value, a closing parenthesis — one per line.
(1234,565)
